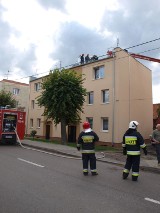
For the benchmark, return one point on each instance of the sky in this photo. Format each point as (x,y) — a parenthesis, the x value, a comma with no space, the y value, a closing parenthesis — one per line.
(39,35)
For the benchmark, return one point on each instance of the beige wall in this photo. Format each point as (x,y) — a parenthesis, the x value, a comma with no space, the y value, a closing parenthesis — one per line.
(22,97)
(133,98)
(130,98)
(130,86)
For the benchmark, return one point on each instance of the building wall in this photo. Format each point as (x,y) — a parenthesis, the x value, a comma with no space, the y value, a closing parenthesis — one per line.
(98,109)
(133,98)
(130,98)
(22,97)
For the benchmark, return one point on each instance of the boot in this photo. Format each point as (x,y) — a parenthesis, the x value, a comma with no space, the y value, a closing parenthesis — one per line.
(134,178)
(85,173)
(94,173)
(125,175)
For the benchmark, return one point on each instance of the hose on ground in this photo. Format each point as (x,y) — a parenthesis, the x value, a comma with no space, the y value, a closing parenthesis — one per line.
(51,153)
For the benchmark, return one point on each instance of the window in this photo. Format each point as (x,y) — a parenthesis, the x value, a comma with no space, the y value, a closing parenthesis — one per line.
(16,91)
(104,124)
(90,98)
(99,72)
(31,123)
(37,86)
(38,122)
(90,121)
(105,96)
(32,104)
(17,103)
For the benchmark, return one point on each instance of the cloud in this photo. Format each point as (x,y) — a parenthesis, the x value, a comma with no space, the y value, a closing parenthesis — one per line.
(134,22)
(75,39)
(56,4)
(6,51)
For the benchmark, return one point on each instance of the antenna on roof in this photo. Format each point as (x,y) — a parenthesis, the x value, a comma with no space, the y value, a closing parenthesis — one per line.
(7,74)
(117,42)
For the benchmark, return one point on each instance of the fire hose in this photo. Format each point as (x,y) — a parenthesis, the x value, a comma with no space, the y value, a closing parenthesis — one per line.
(51,153)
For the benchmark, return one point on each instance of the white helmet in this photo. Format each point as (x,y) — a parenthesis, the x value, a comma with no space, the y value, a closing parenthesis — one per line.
(133,124)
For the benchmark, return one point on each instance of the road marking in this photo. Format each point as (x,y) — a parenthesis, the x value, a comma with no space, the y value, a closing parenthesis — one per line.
(151,200)
(35,164)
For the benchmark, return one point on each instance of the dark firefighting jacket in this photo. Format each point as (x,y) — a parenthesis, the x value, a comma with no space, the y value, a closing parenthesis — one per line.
(87,140)
(132,142)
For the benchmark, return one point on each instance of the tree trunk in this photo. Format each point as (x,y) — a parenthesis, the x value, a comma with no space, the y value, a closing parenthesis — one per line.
(63,131)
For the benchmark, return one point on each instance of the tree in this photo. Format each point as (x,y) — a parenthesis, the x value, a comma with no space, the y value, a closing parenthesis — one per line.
(62,96)
(6,98)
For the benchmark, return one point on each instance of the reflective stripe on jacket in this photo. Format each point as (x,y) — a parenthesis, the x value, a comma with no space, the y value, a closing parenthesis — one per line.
(133,141)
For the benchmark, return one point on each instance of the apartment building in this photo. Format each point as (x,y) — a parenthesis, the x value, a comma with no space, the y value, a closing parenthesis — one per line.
(19,90)
(119,89)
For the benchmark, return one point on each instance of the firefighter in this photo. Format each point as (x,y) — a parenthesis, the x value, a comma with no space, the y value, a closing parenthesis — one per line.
(132,142)
(86,141)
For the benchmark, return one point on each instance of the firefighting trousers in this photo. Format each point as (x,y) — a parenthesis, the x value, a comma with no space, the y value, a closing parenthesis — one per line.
(132,162)
(86,158)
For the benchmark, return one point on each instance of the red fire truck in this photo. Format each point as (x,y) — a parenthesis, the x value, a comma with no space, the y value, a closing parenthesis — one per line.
(11,120)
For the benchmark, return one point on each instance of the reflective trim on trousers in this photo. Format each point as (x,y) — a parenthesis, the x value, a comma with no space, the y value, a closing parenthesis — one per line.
(88,151)
(93,170)
(133,152)
(85,170)
(126,171)
(135,174)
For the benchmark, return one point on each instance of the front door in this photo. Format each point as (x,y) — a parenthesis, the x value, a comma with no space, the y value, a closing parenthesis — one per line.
(47,132)
(72,134)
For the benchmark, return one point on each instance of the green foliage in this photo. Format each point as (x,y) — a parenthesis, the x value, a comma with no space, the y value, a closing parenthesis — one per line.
(6,98)
(33,133)
(63,96)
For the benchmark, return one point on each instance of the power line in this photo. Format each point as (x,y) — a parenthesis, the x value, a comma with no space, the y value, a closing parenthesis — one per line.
(102,56)
(143,43)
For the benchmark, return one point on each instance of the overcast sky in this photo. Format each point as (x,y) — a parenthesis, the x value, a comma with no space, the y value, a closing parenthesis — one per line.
(38,35)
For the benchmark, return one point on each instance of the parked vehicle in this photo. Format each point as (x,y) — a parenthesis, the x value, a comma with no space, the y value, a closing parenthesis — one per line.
(11,121)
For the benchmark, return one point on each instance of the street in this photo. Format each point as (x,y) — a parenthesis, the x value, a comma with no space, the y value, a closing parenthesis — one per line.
(35,182)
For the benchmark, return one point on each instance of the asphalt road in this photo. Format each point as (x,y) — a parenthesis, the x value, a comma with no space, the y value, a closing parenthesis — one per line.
(36,182)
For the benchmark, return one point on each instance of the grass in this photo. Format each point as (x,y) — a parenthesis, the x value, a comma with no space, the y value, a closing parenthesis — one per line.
(97,147)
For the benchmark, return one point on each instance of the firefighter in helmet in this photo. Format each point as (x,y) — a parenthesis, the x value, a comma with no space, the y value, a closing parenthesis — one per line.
(132,142)
(86,141)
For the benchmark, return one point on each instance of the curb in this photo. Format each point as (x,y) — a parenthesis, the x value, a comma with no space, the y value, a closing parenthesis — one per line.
(143,168)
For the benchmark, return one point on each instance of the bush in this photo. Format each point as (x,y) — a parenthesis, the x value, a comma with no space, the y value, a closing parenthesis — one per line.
(33,133)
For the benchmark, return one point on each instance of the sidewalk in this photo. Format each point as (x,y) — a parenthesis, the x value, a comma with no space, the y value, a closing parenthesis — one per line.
(148,163)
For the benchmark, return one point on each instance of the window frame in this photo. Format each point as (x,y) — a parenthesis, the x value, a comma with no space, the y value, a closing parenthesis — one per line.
(103,125)
(90,98)
(16,91)
(90,121)
(37,86)
(104,101)
(38,123)
(32,104)
(98,73)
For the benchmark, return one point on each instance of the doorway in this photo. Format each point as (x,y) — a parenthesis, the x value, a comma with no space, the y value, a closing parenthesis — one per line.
(47,132)
(72,134)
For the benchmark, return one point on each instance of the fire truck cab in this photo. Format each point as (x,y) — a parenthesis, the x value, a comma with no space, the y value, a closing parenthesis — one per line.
(11,120)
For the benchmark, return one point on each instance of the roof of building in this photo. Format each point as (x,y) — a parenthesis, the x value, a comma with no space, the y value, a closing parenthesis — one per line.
(14,82)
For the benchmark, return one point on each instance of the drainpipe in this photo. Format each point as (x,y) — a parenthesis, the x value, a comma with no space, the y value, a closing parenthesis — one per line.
(129,90)
(113,99)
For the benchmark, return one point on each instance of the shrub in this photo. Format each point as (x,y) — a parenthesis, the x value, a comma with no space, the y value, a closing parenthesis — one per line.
(33,133)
